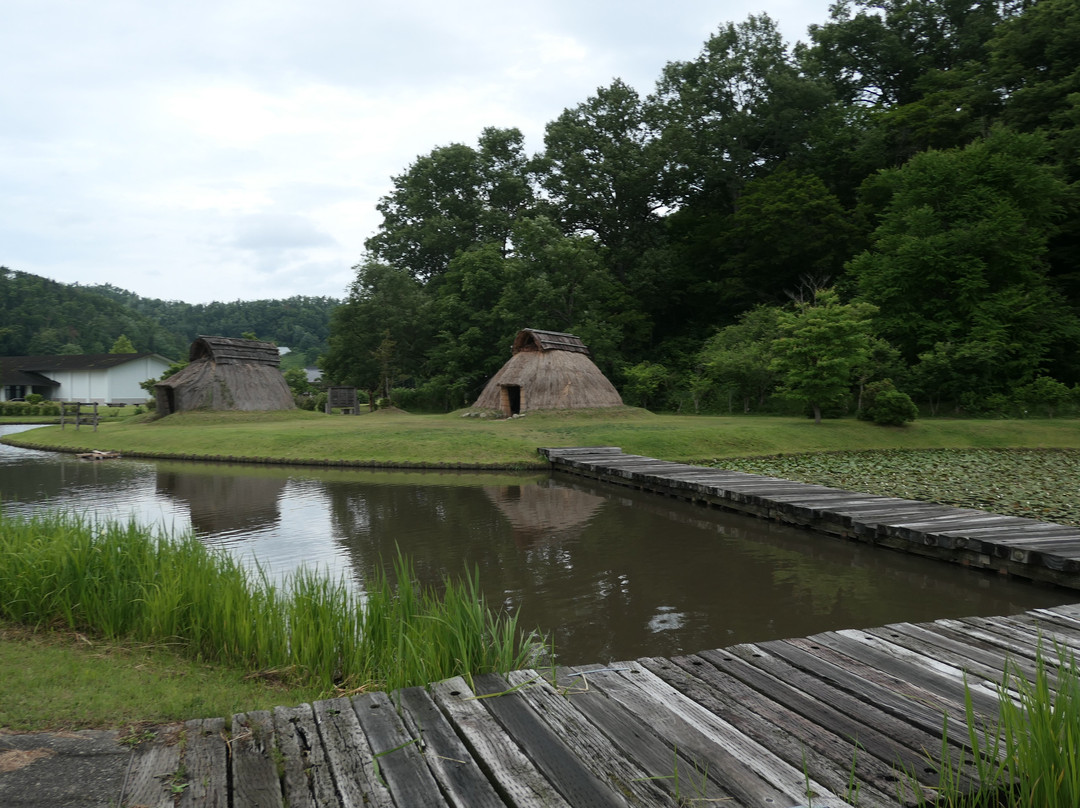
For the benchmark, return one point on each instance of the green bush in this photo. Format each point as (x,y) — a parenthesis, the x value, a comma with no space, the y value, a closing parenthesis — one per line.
(893,408)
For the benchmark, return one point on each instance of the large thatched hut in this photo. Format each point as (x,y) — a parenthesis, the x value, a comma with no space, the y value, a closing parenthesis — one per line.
(226,374)
(547,370)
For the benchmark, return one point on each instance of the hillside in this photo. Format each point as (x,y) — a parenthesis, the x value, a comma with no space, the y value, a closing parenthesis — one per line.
(42,316)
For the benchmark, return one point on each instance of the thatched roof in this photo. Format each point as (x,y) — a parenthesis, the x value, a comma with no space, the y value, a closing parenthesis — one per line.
(548,371)
(231,351)
(533,339)
(226,374)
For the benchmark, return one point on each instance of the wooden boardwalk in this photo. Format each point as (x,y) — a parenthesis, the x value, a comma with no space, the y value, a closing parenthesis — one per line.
(750,725)
(1040,551)
(842,714)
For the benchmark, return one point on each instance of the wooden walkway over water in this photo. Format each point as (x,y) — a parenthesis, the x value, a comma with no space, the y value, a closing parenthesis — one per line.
(749,725)
(1040,551)
(842,714)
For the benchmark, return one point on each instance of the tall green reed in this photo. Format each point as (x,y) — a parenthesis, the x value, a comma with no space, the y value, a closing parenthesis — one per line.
(123,581)
(1030,754)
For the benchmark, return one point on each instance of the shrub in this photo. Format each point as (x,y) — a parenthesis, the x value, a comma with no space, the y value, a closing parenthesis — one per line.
(893,408)
(1043,393)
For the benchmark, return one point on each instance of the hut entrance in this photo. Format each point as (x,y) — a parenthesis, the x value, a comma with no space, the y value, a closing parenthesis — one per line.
(511,399)
(166,401)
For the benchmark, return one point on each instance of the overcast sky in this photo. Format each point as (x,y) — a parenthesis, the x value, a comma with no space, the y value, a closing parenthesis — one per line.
(203,150)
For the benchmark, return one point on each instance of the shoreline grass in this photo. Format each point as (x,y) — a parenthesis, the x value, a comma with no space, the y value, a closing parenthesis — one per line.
(1029,755)
(123,582)
(395,439)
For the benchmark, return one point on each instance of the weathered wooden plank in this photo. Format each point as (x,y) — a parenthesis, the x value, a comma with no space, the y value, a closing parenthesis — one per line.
(155,770)
(205,764)
(255,782)
(975,660)
(638,741)
(929,675)
(898,698)
(349,755)
(306,778)
(398,761)
(592,748)
(1011,644)
(1054,620)
(459,775)
(561,766)
(829,758)
(853,713)
(1028,636)
(515,776)
(753,773)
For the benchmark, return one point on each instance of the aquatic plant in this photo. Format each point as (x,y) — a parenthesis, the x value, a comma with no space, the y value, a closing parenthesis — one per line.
(121,580)
(1028,756)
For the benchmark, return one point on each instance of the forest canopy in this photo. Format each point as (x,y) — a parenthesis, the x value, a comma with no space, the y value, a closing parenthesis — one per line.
(913,161)
(40,317)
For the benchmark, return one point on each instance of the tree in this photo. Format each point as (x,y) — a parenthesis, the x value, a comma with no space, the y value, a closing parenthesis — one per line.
(958,256)
(738,358)
(452,199)
(601,168)
(1046,393)
(122,346)
(879,54)
(786,226)
(821,343)
(644,381)
(382,300)
(736,112)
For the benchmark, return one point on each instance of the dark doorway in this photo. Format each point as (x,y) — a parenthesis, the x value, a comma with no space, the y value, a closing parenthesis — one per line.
(511,399)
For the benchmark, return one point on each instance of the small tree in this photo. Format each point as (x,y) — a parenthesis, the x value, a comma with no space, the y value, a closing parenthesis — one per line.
(822,341)
(123,345)
(1045,392)
(643,381)
(738,357)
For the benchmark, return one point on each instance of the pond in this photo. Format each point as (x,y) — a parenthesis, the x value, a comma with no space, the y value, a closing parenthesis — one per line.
(609,573)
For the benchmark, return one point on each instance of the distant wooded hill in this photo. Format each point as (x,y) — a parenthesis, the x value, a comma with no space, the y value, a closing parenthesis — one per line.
(39,316)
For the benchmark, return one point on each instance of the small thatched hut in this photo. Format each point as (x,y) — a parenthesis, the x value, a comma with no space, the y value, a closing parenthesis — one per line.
(547,370)
(226,374)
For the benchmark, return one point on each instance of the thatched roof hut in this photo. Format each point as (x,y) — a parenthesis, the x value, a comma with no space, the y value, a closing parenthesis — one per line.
(547,370)
(226,374)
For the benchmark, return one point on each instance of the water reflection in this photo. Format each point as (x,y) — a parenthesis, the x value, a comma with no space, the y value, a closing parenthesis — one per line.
(609,573)
(544,513)
(221,504)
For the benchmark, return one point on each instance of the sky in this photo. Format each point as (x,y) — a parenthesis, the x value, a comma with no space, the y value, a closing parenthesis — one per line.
(202,150)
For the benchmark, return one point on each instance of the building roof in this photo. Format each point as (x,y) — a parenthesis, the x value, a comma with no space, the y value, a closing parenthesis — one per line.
(533,339)
(232,351)
(15,369)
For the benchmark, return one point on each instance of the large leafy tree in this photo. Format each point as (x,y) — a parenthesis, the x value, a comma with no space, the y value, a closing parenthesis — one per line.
(601,168)
(453,199)
(736,112)
(786,229)
(958,256)
(879,52)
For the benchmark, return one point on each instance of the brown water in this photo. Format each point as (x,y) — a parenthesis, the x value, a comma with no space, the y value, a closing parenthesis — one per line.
(608,572)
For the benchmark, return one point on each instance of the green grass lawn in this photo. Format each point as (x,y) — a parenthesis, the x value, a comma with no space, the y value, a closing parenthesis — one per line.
(396,438)
(59,679)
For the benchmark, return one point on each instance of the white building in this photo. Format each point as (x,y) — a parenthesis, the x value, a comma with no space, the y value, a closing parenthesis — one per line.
(101,378)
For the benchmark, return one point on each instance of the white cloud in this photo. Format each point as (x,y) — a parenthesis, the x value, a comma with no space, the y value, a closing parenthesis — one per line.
(232,149)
